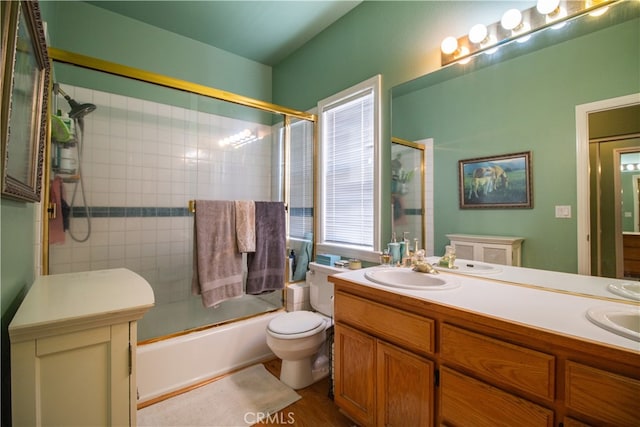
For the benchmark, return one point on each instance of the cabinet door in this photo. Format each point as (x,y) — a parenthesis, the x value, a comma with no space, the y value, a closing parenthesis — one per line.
(404,388)
(604,396)
(465,401)
(496,254)
(76,379)
(355,361)
(466,251)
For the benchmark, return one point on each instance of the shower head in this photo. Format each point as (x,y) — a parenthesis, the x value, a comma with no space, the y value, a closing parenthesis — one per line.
(78,110)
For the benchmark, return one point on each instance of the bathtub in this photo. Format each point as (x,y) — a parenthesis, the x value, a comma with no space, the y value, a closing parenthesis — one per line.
(164,367)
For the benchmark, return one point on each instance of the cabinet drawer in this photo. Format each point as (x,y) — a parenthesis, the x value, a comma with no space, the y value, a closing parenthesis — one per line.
(404,329)
(610,398)
(465,401)
(499,362)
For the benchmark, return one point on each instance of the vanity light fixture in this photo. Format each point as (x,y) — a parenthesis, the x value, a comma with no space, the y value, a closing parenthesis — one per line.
(480,36)
(450,47)
(519,26)
(552,11)
(512,21)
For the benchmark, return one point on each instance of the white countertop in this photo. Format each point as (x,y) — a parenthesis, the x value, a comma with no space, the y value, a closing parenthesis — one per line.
(555,312)
(566,282)
(63,302)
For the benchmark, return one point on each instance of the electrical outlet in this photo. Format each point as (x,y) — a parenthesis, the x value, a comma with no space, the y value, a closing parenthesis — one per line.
(563,211)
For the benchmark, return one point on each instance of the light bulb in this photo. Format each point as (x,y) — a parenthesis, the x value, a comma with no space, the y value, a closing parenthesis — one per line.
(449,45)
(511,19)
(545,7)
(478,33)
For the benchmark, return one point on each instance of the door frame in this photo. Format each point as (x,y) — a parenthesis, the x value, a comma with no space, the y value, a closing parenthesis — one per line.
(582,171)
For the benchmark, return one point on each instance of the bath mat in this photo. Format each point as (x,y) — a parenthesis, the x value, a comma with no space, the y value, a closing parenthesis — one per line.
(239,399)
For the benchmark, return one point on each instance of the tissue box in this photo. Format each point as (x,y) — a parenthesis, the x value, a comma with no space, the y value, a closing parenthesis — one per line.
(327,259)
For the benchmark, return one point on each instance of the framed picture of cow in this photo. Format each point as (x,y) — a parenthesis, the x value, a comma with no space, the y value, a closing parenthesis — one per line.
(496,182)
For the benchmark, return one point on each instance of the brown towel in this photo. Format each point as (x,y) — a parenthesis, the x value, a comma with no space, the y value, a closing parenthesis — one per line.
(246,225)
(217,274)
(266,265)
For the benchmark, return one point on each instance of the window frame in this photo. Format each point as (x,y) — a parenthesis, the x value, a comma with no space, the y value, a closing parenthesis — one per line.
(371,85)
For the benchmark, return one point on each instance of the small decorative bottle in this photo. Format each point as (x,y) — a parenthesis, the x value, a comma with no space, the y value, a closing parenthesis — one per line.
(449,257)
(452,256)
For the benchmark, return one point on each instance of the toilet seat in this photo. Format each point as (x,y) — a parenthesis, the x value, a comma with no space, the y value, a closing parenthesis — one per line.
(296,324)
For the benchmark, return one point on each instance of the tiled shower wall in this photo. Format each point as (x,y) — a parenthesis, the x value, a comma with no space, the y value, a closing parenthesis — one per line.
(141,163)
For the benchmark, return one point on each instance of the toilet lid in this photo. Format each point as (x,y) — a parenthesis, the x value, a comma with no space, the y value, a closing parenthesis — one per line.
(295,322)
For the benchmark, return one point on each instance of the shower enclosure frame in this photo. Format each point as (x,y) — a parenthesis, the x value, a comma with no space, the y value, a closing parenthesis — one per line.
(91,63)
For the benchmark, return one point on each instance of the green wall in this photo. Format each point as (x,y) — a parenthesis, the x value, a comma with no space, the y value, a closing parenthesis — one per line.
(526,103)
(16,275)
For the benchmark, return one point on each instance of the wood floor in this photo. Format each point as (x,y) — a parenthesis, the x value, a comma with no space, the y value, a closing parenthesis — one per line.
(315,409)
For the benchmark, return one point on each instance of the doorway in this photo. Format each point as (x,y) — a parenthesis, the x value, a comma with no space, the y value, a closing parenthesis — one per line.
(615,243)
(587,116)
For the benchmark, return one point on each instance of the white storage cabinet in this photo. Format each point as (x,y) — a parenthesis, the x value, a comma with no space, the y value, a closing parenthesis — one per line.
(505,250)
(73,347)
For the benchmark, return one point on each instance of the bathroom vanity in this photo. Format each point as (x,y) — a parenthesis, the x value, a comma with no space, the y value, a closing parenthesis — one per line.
(73,347)
(479,353)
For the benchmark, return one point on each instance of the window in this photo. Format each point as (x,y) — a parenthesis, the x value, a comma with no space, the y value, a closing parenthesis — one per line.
(349,171)
(301,180)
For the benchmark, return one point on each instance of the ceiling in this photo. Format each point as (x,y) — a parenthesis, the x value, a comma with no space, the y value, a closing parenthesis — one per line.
(264,31)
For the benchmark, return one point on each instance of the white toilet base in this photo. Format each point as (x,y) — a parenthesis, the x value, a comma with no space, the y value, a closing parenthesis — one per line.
(296,374)
(302,373)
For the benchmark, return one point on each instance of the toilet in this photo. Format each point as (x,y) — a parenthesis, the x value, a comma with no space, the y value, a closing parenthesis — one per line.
(298,337)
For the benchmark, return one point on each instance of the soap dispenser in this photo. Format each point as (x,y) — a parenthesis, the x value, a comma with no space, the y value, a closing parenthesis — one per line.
(394,250)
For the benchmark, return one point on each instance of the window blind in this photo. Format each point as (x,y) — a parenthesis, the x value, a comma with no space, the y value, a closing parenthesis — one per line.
(348,156)
(301,180)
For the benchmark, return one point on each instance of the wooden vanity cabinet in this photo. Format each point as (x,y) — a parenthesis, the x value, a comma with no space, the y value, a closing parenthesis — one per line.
(448,366)
(355,373)
(377,381)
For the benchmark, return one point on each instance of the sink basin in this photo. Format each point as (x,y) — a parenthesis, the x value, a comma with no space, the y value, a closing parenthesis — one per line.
(466,266)
(626,289)
(408,279)
(624,321)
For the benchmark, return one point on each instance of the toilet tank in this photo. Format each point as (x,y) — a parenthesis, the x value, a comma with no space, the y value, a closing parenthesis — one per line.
(320,289)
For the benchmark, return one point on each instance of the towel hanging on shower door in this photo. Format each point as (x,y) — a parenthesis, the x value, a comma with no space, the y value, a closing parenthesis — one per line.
(217,273)
(266,265)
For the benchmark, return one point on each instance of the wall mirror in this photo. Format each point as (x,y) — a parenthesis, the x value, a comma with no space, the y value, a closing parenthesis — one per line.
(628,239)
(407,191)
(615,165)
(25,71)
(458,107)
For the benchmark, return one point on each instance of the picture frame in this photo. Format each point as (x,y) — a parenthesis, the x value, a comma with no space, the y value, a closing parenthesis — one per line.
(25,89)
(496,182)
